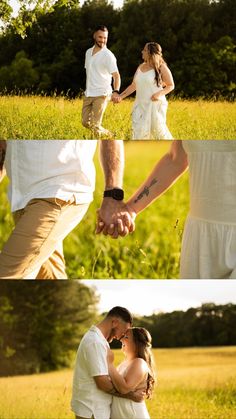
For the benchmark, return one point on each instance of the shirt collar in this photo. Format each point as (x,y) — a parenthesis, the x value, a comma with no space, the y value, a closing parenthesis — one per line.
(101,50)
(96,330)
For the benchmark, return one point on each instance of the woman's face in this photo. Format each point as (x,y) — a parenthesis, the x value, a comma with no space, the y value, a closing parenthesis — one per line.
(128,345)
(145,54)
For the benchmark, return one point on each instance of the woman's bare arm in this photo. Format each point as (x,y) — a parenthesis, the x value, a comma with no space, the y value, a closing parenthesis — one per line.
(165,173)
(167,80)
(134,377)
(130,89)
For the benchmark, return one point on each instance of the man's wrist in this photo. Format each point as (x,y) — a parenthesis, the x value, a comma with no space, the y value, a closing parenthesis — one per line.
(115,193)
(115,91)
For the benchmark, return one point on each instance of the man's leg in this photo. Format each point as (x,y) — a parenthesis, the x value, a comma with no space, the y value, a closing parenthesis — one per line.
(86,111)
(54,267)
(39,228)
(99,105)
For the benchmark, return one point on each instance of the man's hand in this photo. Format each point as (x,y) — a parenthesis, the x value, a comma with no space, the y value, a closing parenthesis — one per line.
(114,218)
(137,395)
(115,98)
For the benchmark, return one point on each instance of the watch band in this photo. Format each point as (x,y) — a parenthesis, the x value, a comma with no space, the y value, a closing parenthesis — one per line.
(115,193)
(115,91)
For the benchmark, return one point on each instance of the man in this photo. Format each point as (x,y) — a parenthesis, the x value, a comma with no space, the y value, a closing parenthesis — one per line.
(51,187)
(92,387)
(101,68)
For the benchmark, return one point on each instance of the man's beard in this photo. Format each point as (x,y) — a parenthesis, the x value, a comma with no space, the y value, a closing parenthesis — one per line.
(111,335)
(98,45)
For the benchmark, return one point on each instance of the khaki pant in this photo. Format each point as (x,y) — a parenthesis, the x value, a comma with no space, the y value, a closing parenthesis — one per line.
(92,113)
(34,250)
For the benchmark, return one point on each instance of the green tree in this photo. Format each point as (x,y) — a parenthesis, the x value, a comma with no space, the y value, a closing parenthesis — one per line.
(5,11)
(41,324)
(20,74)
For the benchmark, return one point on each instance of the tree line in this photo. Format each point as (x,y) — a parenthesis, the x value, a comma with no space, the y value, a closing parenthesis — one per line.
(41,325)
(42,49)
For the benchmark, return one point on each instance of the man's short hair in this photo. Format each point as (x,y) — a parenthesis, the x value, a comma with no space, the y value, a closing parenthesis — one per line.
(122,313)
(102,28)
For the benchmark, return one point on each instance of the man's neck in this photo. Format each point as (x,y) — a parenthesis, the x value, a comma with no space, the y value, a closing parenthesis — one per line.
(97,48)
(103,329)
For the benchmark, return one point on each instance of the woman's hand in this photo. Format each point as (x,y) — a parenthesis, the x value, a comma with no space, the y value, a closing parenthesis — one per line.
(156,96)
(110,356)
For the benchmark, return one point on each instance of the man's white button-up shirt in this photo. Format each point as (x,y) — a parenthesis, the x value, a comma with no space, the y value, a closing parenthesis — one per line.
(50,169)
(99,69)
(91,361)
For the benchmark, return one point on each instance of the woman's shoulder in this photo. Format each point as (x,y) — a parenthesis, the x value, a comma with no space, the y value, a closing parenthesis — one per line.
(164,66)
(140,363)
(142,66)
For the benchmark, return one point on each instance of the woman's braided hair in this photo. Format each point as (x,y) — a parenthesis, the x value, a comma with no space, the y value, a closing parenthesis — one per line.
(143,343)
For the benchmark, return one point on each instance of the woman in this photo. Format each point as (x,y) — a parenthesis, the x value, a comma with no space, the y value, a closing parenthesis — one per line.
(152,81)
(209,240)
(135,372)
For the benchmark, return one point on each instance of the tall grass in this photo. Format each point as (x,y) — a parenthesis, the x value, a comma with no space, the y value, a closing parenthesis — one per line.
(35,117)
(195,383)
(152,251)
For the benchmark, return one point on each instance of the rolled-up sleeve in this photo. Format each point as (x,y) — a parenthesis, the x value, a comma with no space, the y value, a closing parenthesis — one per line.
(112,64)
(96,355)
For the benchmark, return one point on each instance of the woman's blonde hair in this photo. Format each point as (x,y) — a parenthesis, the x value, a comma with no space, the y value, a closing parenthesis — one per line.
(155,56)
(143,343)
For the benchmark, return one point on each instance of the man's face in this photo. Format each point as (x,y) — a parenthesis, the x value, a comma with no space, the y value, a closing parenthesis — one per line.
(100,38)
(118,329)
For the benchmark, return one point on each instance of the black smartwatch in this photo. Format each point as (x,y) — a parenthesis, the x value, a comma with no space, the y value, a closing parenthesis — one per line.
(115,91)
(115,193)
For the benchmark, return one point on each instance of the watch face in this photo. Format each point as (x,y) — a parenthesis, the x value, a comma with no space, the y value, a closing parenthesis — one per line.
(118,194)
(115,193)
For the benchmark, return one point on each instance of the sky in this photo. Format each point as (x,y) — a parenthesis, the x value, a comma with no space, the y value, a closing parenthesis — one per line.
(15,4)
(145,297)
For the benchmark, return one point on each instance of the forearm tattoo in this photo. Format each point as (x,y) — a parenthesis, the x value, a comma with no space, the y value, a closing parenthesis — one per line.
(146,190)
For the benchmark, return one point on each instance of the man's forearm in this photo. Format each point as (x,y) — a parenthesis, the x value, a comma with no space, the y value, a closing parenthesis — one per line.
(132,395)
(112,162)
(116,81)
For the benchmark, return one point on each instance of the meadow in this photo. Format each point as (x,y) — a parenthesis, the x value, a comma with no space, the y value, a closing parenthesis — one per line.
(35,117)
(196,383)
(152,251)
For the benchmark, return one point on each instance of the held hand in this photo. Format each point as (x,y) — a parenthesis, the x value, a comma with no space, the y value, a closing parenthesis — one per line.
(110,356)
(113,218)
(116,98)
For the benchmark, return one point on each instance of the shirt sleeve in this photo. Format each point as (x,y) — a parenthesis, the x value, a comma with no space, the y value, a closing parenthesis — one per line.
(112,64)
(96,355)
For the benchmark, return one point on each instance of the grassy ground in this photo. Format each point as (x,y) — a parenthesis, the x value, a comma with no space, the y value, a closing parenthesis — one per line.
(59,118)
(151,252)
(196,383)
